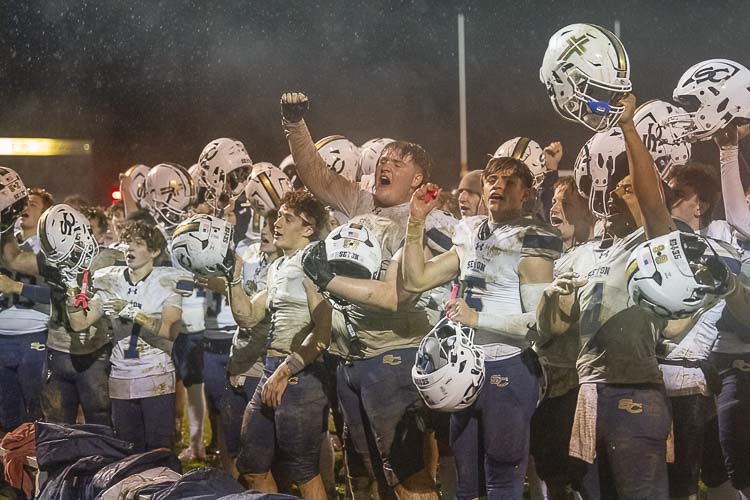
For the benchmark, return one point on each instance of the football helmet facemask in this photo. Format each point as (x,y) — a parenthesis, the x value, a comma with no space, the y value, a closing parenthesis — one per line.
(449,368)
(713,93)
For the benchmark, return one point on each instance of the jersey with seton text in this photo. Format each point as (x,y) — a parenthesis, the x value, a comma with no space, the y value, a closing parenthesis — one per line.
(489,255)
(133,358)
(619,337)
(380,331)
(287,302)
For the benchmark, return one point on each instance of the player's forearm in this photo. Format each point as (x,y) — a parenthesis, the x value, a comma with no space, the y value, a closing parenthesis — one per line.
(323,183)
(373,294)
(17,260)
(243,308)
(316,342)
(414,259)
(646,184)
(737,211)
(81,319)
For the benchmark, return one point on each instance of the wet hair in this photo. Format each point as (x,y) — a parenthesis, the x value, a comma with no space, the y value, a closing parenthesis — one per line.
(517,168)
(141,215)
(116,208)
(98,215)
(76,201)
(417,153)
(701,179)
(568,181)
(270,216)
(303,202)
(150,235)
(47,199)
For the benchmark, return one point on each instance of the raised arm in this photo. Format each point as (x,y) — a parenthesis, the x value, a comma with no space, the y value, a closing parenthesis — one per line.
(735,207)
(329,187)
(420,274)
(647,184)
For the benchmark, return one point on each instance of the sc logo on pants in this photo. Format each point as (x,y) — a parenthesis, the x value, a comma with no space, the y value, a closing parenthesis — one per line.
(630,406)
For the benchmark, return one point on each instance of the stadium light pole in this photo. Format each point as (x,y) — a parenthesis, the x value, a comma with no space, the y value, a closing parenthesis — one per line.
(617,28)
(462,95)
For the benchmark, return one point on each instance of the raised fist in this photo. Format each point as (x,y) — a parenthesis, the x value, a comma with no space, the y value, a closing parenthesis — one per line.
(294,105)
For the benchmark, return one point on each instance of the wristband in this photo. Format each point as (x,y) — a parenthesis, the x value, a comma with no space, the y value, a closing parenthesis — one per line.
(295,363)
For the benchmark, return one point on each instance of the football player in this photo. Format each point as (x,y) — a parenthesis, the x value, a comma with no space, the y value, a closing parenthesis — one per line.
(617,365)
(24,318)
(287,418)
(553,420)
(144,308)
(504,261)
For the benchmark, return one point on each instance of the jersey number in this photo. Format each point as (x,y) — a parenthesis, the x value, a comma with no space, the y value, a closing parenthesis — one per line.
(472,285)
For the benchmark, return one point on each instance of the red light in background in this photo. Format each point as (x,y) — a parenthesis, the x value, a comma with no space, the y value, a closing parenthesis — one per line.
(116,195)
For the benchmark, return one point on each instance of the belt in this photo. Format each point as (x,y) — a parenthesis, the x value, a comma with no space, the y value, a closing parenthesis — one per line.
(217,346)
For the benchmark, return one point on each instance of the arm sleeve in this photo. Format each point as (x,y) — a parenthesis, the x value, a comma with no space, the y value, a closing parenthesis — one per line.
(36,293)
(541,241)
(737,211)
(333,189)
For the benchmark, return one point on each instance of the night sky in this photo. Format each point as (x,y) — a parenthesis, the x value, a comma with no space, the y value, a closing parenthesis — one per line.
(154,81)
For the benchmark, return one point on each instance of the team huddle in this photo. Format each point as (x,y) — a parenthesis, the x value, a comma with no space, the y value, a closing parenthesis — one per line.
(589,335)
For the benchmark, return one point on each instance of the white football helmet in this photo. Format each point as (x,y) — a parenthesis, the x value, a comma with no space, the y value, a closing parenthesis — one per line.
(368,156)
(13,198)
(225,167)
(586,71)
(203,245)
(267,186)
(66,240)
(170,192)
(353,251)
(670,275)
(713,93)
(651,120)
(449,368)
(529,152)
(133,185)
(600,165)
(340,154)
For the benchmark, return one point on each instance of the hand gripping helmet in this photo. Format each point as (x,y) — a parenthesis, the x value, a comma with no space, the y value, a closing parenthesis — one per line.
(586,71)
(675,275)
(449,368)
(133,185)
(267,186)
(713,93)
(13,198)
(340,154)
(651,121)
(66,239)
(169,193)
(529,152)
(354,251)
(225,167)
(203,245)
(368,156)
(600,165)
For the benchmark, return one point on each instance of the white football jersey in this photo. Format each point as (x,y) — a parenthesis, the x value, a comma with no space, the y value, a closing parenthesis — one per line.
(246,356)
(489,255)
(132,358)
(19,315)
(287,302)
